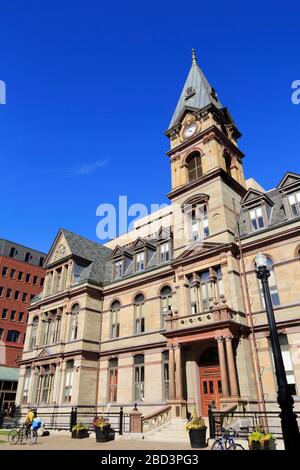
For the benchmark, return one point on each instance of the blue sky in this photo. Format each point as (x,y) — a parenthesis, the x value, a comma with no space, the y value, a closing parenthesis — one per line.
(91,87)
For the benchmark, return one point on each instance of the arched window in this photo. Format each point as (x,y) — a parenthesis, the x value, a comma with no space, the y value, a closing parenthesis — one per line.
(74,322)
(114,319)
(27,257)
(41,261)
(12,252)
(34,327)
(194,166)
(165,304)
(272,285)
(139,319)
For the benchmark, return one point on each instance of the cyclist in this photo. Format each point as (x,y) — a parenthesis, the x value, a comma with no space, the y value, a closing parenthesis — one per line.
(29,419)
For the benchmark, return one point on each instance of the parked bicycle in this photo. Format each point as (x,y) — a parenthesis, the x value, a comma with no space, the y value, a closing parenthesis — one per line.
(23,434)
(227,441)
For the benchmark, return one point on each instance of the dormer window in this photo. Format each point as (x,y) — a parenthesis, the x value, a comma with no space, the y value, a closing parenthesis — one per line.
(294,201)
(118,269)
(165,252)
(256,218)
(140,261)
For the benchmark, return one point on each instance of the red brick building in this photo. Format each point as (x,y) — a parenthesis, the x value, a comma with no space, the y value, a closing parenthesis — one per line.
(21,279)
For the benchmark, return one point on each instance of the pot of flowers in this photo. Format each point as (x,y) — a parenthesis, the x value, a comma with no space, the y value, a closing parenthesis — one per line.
(267,442)
(255,440)
(197,432)
(79,431)
(103,430)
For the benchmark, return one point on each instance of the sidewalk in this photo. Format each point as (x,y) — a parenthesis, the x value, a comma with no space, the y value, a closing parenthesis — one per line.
(63,441)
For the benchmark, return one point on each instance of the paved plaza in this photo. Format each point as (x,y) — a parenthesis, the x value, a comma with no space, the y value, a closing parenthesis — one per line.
(63,441)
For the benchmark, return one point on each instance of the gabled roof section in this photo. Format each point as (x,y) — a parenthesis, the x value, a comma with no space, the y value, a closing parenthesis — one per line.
(120,251)
(254,196)
(97,256)
(141,242)
(289,179)
(196,94)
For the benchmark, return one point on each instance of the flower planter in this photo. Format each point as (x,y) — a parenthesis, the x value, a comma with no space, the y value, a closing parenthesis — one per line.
(104,434)
(80,434)
(269,445)
(198,438)
(255,445)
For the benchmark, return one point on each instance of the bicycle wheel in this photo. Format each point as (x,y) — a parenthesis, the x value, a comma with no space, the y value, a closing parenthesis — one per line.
(235,447)
(13,436)
(217,445)
(31,437)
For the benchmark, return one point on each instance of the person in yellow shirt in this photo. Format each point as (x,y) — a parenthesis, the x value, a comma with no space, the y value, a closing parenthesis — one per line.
(29,418)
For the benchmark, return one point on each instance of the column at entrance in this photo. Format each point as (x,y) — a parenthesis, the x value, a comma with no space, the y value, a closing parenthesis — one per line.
(223,367)
(178,372)
(234,386)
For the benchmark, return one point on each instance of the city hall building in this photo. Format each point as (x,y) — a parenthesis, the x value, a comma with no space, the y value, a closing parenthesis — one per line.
(171,314)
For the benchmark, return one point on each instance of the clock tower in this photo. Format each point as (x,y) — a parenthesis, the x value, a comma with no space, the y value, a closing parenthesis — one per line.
(206,163)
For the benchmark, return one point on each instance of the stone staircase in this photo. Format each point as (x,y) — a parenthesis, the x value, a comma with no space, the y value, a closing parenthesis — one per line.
(172,431)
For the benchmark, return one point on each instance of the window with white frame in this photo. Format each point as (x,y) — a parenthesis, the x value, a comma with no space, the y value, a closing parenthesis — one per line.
(45,384)
(139,319)
(287,361)
(114,320)
(294,201)
(112,380)
(74,322)
(118,269)
(166,304)
(25,398)
(140,261)
(165,253)
(199,223)
(256,218)
(139,377)
(34,329)
(204,288)
(69,380)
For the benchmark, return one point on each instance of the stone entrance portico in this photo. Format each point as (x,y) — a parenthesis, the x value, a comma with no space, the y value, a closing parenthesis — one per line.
(186,347)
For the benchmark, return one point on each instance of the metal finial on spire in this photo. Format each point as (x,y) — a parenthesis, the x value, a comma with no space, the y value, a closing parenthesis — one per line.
(194,57)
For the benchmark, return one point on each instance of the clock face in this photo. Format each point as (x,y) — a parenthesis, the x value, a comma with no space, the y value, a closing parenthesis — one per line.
(190,130)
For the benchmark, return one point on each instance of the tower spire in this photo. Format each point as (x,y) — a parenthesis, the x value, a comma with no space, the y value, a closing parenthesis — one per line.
(194,57)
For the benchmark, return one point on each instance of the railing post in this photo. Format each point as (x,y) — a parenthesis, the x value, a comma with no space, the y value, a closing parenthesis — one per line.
(211,420)
(121,416)
(73,417)
(136,423)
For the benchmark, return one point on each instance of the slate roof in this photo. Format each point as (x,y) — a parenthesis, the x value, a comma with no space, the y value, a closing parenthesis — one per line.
(100,268)
(204,94)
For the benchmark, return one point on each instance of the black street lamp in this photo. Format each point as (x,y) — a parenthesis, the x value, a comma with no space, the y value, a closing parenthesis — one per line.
(289,425)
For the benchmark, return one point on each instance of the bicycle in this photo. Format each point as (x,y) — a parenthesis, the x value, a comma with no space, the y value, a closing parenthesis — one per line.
(16,436)
(226,441)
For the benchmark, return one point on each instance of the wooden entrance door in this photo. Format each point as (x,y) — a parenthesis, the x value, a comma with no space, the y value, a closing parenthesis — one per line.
(210,386)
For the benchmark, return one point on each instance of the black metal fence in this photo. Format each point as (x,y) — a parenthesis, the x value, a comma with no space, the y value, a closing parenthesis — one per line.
(245,422)
(64,420)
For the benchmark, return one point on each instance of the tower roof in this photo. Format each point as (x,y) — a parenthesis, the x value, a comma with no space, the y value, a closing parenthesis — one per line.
(197,93)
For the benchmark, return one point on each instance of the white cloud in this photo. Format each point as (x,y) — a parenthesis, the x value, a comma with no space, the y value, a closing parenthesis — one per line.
(87,168)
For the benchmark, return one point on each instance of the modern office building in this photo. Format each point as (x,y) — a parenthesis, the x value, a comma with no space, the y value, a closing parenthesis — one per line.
(21,278)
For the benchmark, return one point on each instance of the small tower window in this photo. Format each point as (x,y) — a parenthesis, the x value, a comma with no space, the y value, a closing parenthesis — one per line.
(194,166)
(12,252)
